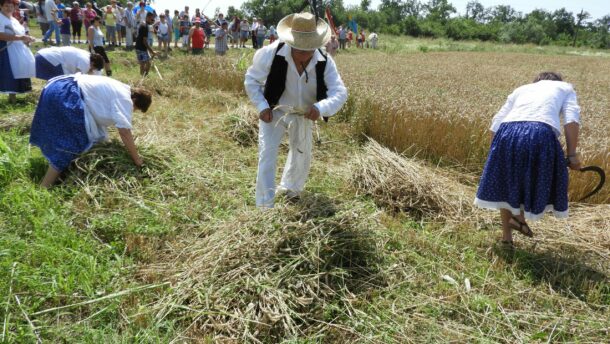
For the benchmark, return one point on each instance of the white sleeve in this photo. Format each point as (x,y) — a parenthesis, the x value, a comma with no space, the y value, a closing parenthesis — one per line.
(257,75)
(504,111)
(336,94)
(570,108)
(122,109)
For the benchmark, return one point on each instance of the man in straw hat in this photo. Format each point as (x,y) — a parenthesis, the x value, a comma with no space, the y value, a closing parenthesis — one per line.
(292,84)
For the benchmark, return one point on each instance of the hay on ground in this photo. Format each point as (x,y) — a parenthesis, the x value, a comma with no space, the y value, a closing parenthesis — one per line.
(22,123)
(267,276)
(408,185)
(110,162)
(242,125)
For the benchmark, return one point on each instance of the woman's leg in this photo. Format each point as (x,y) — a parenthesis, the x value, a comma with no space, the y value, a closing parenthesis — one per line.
(507,232)
(50,177)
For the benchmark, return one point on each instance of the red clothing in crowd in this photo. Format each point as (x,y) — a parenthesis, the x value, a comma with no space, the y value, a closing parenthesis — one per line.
(198,38)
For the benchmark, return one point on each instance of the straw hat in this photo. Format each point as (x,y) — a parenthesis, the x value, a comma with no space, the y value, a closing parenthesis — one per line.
(300,31)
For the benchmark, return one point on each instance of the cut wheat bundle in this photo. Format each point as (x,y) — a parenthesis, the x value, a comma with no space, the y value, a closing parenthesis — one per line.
(271,275)
(408,185)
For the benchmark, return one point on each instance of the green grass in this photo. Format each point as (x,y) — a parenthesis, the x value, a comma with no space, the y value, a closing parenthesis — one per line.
(108,226)
(403,44)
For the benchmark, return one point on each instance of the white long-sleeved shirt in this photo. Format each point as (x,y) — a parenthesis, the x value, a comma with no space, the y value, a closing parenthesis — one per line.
(543,101)
(71,59)
(107,103)
(301,90)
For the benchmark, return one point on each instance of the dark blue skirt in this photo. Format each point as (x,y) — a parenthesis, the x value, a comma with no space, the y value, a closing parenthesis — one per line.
(58,127)
(45,70)
(8,83)
(525,170)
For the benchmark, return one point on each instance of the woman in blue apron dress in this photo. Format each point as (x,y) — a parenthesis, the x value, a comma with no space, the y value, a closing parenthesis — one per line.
(525,174)
(73,114)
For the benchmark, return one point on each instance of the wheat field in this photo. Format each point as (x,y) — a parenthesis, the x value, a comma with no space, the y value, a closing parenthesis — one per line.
(439,105)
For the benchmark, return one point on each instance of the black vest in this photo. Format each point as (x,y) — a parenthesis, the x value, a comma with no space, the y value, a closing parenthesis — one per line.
(276,80)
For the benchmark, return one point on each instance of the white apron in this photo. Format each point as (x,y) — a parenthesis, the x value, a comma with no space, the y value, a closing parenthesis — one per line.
(23,64)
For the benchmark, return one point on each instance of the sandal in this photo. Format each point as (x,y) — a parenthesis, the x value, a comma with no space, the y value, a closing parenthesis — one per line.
(521,227)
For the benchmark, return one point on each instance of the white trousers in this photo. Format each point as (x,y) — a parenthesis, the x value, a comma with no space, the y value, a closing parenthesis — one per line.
(299,156)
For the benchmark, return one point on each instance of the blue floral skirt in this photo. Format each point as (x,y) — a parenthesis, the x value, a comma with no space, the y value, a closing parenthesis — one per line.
(45,70)
(525,170)
(58,127)
(8,83)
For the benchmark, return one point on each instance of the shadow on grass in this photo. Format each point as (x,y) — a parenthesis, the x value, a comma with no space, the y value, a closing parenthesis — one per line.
(567,275)
(311,206)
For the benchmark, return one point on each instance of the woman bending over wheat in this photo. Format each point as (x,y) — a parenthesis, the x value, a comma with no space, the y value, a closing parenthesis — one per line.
(525,174)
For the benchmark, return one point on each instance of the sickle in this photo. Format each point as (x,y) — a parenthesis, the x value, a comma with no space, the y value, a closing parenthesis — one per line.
(602,179)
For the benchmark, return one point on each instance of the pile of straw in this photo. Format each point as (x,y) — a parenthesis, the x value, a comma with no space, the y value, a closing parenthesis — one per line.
(242,125)
(267,276)
(408,185)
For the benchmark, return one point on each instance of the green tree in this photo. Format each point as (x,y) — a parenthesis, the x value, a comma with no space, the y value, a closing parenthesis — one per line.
(580,18)
(504,14)
(439,10)
(564,21)
(476,11)
(234,12)
(365,4)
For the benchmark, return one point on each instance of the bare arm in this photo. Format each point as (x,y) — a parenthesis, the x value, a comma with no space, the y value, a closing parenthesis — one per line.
(127,139)
(188,43)
(571,131)
(90,38)
(8,38)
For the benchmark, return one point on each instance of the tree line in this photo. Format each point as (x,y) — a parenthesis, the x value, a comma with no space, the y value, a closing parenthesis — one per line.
(440,19)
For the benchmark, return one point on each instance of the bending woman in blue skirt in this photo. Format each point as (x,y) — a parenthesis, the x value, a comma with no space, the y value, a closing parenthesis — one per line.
(525,174)
(74,113)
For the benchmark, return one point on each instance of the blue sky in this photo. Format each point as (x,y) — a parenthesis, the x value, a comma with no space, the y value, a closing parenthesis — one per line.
(597,8)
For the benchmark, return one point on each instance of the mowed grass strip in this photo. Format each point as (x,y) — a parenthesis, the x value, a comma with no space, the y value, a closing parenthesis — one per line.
(111,229)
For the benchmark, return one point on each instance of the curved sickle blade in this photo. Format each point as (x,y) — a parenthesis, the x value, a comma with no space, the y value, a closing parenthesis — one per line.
(602,180)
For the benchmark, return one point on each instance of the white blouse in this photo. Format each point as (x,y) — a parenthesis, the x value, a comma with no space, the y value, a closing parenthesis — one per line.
(107,103)
(72,59)
(543,101)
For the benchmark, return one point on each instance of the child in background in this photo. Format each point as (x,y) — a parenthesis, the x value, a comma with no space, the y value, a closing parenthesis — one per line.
(350,38)
(65,28)
(185,27)
(272,34)
(163,33)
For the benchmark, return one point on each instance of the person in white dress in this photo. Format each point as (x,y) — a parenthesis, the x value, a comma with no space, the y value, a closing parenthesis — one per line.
(17,64)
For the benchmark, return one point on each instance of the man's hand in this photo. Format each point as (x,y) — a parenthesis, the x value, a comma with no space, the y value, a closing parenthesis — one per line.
(266,115)
(312,114)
